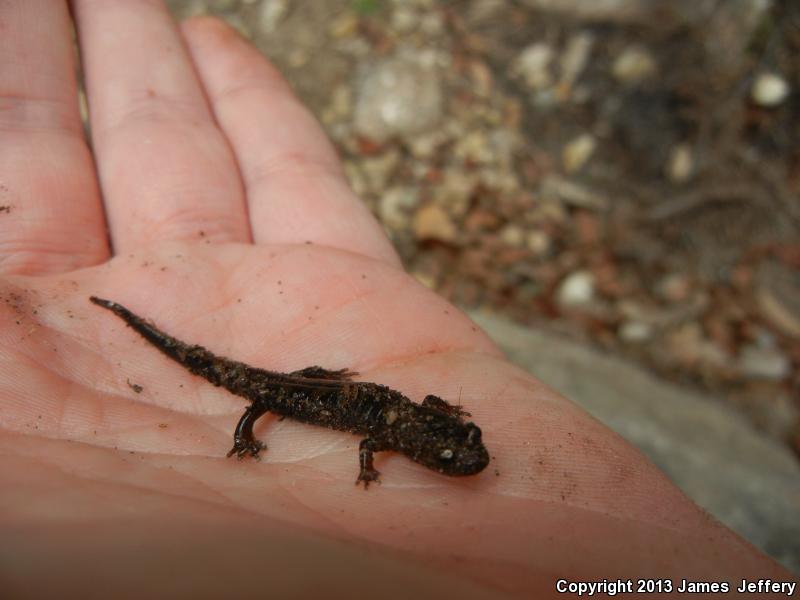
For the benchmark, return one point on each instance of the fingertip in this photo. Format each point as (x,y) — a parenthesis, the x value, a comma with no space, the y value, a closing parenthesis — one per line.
(208,33)
(215,44)
(207,25)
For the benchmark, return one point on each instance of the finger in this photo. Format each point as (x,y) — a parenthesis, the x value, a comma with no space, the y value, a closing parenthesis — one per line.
(296,190)
(51,218)
(165,168)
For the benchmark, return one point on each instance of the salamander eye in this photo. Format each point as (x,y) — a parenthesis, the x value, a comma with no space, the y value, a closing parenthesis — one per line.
(446,454)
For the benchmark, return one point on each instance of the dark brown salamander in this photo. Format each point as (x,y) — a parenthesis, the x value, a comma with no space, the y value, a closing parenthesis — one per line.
(432,433)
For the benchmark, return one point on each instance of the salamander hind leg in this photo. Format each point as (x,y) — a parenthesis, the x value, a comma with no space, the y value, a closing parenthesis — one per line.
(320,373)
(454,410)
(242,447)
(244,442)
(366,449)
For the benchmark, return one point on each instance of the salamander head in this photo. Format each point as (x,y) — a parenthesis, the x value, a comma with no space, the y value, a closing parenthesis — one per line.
(453,447)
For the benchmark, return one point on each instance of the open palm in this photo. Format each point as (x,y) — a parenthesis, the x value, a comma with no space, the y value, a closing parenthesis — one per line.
(232,227)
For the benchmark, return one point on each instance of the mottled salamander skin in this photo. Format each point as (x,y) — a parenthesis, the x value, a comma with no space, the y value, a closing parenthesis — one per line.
(433,433)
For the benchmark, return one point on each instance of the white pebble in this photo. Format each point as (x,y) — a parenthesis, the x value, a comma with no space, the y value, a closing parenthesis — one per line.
(769,89)
(764,363)
(533,65)
(681,163)
(271,14)
(577,289)
(635,331)
(634,64)
(577,152)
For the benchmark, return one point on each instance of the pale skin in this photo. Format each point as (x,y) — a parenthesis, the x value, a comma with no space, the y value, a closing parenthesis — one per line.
(205,181)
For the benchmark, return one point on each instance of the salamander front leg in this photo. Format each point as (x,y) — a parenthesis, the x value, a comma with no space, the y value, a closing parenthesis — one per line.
(244,442)
(365,451)
(454,410)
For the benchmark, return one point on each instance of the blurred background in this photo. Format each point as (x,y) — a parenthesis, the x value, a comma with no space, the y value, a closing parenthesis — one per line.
(610,187)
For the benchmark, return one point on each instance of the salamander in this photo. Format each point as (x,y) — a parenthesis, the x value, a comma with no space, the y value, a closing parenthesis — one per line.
(433,433)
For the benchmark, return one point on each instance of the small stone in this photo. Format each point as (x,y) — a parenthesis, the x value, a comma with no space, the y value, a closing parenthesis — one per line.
(431,222)
(455,191)
(763,362)
(481,77)
(769,90)
(533,64)
(341,104)
(425,145)
(674,287)
(355,177)
(398,96)
(778,314)
(271,14)
(396,204)
(512,235)
(634,311)
(474,148)
(378,170)
(634,64)
(549,209)
(692,348)
(404,19)
(425,279)
(614,11)
(298,57)
(577,289)
(538,242)
(635,331)
(577,152)
(574,58)
(573,194)
(504,143)
(503,182)
(681,164)
(344,26)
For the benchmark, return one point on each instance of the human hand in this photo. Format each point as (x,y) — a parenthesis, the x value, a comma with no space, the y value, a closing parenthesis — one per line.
(232,226)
